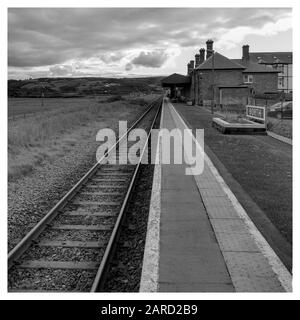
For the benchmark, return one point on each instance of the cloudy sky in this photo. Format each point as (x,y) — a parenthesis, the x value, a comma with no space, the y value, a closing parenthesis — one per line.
(135,42)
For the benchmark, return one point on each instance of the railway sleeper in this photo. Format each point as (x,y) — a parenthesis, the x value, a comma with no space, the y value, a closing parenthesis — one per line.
(95,203)
(71,244)
(89,213)
(43,264)
(106,186)
(81,227)
(113,174)
(95,193)
(110,180)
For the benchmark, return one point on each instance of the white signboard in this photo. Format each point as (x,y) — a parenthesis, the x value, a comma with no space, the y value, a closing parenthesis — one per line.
(256,113)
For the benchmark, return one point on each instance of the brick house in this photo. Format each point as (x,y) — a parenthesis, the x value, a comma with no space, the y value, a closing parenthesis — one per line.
(229,81)
(281,61)
(226,81)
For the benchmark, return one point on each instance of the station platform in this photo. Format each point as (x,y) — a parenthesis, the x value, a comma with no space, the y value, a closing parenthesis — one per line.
(200,239)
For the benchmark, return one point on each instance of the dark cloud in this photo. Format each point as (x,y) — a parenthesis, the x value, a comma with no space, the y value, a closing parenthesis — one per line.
(154,59)
(50,36)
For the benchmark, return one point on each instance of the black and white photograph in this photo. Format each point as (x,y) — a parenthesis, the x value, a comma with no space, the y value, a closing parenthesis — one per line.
(149,151)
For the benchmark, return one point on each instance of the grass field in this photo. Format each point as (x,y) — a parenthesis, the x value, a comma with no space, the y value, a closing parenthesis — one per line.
(82,87)
(44,135)
(20,107)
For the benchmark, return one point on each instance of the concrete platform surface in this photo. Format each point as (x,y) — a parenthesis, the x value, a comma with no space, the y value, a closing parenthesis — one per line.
(206,242)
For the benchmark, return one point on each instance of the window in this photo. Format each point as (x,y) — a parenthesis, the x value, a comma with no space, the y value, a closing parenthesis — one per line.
(280,82)
(248,78)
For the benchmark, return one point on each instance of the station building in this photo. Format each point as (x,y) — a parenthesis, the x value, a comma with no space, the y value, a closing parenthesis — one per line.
(214,78)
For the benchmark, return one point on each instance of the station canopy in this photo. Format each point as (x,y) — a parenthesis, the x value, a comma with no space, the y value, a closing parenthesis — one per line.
(176,79)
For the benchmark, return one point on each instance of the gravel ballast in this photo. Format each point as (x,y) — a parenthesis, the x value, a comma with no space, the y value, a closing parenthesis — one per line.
(125,274)
(32,196)
(88,217)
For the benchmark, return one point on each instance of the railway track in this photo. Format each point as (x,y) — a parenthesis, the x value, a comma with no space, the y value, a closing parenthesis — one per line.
(71,248)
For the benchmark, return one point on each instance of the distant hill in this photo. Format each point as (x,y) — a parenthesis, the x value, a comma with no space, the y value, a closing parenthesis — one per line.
(81,87)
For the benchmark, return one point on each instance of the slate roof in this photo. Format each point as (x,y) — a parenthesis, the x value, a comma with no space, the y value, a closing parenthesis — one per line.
(220,63)
(176,78)
(254,67)
(271,57)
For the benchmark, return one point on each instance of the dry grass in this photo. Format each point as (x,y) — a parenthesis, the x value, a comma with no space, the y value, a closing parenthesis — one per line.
(51,134)
(25,107)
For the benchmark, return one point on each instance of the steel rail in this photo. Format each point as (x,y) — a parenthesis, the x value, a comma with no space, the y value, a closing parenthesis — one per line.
(101,275)
(29,238)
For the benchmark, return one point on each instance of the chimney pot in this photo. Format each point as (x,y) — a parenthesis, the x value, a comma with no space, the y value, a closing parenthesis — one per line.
(209,48)
(197,60)
(188,68)
(246,55)
(202,55)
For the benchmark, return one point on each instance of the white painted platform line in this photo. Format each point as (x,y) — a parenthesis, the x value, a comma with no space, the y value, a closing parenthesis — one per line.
(250,271)
(150,270)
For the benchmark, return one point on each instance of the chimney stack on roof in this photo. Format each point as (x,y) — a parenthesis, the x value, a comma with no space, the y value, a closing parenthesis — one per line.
(209,48)
(246,55)
(190,67)
(197,60)
(202,55)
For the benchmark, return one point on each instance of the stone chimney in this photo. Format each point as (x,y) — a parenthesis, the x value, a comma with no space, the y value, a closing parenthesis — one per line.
(197,60)
(246,55)
(188,68)
(209,48)
(202,55)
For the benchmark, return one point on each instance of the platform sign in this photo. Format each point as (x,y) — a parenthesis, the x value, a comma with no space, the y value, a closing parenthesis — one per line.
(256,113)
